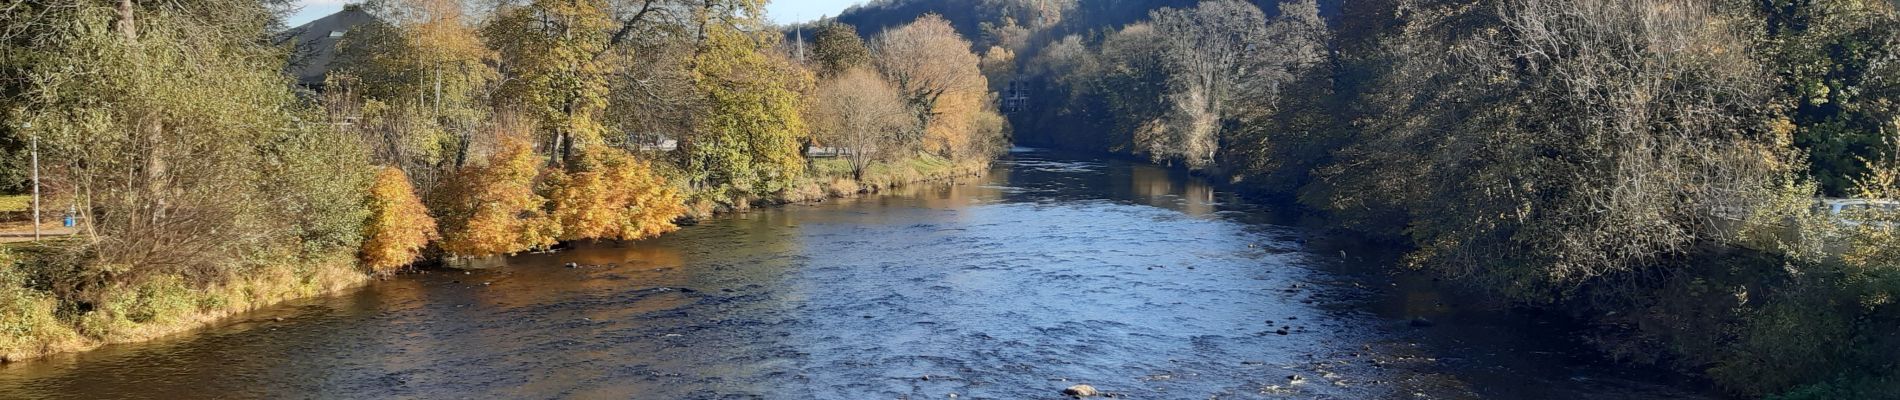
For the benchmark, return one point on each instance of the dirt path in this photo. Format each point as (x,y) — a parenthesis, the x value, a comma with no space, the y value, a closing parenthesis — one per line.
(16,233)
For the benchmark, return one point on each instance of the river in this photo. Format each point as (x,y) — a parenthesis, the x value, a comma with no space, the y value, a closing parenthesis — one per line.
(1053,270)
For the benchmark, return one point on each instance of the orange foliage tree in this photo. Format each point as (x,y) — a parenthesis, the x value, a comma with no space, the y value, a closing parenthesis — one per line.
(399,227)
(493,209)
(608,194)
(943,82)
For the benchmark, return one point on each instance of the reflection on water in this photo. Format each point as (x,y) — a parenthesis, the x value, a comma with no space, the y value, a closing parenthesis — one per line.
(1048,272)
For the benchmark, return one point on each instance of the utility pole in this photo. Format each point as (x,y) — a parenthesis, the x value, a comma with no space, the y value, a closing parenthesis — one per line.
(800,32)
(36,180)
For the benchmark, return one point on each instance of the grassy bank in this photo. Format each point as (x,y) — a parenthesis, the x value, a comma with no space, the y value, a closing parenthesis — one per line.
(35,321)
(15,203)
(831,178)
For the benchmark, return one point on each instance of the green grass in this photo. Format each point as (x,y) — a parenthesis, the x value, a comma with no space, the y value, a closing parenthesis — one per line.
(15,203)
(835,167)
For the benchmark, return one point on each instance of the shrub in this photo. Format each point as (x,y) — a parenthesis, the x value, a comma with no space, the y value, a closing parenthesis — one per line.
(493,209)
(398,228)
(26,314)
(607,194)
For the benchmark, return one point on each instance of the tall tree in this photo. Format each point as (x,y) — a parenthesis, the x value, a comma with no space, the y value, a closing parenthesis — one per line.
(551,57)
(862,115)
(940,78)
(1212,48)
(179,139)
(746,140)
(837,48)
(414,85)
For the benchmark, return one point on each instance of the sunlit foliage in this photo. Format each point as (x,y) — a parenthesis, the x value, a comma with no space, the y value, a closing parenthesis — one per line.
(552,51)
(413,84)
(494,208)
(747,141)
(607,194)
(399,226)
(940,77)
(861,114)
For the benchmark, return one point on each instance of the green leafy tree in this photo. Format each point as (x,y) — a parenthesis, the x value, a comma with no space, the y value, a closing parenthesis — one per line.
(747,139)
(838,48)
(1837,61)
(551,53)
(181,137)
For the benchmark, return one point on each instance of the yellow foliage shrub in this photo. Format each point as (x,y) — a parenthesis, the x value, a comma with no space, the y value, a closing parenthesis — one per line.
(608,194)
(399,227)
(493,209)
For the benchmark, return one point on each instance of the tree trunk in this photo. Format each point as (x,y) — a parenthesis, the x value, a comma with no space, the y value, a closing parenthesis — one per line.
(438,91)
(126,23)
(554,148)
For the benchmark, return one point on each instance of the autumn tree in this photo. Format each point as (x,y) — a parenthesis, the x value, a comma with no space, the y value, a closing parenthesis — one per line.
(861,114)
(607,194)
(940,78)
(493,208)
(416,82)
(551,52)
(426,52)
(746,141)
(398,228)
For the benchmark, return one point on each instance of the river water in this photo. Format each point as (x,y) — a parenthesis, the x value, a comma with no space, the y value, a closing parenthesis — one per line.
(1051,271)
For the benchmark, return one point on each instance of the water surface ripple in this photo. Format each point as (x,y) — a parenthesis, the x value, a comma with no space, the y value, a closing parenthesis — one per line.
(1051,271)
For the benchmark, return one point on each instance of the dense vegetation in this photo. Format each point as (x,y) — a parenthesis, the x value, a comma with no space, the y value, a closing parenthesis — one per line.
(1649,165)
(207,182)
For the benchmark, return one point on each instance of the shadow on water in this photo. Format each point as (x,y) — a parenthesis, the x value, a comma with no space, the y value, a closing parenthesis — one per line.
(1051,271)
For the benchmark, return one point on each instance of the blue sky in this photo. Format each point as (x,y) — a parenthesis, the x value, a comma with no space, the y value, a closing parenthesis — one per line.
(781,11)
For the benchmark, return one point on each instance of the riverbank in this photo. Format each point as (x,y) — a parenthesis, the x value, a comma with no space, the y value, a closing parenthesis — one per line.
(1771,311)
(35,323)
(830,178)
(1168,286)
